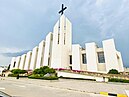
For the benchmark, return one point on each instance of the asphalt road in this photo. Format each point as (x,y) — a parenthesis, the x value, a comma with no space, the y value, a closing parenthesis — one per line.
(24,87)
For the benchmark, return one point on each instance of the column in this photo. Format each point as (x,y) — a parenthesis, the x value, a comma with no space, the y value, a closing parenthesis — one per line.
(22,63)
(47,50)
(28,60)
(13,61)
(40,54)
(34,58)
(91,56)
(110,55)
(76,57)
(120,62)
(18,59)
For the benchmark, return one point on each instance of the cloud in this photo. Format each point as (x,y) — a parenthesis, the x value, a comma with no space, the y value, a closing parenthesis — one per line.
(7,49)
(4,60)
(6,54)
(99,2)
(14,54)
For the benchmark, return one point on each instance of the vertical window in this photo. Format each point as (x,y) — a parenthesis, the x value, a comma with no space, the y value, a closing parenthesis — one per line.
(70,59)
(14,64)
(58,33)
(101,58)
(58,37)
(64,38)
(84,61)
(48,61)
(64,27)
(65,24)
(41,61)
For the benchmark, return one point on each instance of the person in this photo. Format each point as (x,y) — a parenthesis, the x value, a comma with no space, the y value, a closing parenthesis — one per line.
(18,76)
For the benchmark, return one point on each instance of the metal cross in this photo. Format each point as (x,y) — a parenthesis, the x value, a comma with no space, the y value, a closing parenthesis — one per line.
(62,10)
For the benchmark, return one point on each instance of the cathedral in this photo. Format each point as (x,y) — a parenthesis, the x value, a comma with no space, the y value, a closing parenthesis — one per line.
(57,51)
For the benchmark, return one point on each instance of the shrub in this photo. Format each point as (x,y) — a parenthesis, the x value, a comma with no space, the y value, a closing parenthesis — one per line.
(23,71)
(44,70)
(49,70)
(18,71)
(39,76)
(35,76)
(12,75)
(51,78)
(113,71)
(118,80)
(37,71)
(44,73)
(15,75)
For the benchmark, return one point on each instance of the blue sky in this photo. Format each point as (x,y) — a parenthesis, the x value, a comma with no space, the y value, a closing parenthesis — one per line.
(24,23)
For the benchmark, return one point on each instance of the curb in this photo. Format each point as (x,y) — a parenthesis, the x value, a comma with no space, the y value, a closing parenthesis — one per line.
(3,94)
(112,94)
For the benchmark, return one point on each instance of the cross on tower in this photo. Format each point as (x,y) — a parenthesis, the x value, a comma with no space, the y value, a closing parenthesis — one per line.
(62,10)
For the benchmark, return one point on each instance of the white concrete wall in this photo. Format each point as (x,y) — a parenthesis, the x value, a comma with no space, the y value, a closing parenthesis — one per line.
(76,57)
(60,51)
(120,62)
(22,62)
(72,75)
(12,63)
(56,52)
(110,55)
(102,67)
(68,35)
(18,59)
(91,55)
(83,67)
(34,58)
(47,49)
(40,54)
(28,60)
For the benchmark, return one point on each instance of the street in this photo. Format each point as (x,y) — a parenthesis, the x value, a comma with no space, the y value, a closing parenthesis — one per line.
(25,87)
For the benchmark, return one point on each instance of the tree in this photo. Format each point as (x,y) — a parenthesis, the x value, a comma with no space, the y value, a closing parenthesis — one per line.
(18,71)
(44,70)
(49,70)
(113,71)
(37,71)
(23,71)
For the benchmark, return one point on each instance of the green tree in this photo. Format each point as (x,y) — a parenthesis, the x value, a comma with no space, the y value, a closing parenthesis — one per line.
(37,71)
(44,70)
(18,71)
(23,71)
(50,70)
(113,71)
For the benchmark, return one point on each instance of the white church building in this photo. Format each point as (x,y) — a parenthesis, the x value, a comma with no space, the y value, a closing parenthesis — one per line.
(57,51)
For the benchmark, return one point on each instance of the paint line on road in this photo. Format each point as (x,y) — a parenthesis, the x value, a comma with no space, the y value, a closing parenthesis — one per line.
(1,88)
(20,86)
(127,92)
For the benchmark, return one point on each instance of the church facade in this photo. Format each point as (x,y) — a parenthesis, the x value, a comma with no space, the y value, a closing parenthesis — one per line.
(57,51)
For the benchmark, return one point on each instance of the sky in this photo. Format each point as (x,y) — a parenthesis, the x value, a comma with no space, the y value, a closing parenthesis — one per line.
(24,23)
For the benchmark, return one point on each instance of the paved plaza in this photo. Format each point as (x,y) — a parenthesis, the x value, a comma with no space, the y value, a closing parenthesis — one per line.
(25,87)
